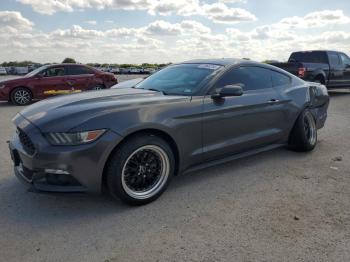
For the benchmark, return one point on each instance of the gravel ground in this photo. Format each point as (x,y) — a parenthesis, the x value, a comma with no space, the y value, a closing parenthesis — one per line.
(275,206)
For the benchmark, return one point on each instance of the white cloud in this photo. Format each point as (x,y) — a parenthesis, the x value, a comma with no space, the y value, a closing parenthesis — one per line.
(164,41)
(233,1)
(315,19)
(221,13)
(195,27)
(180,7)
(91,22)
(163,28)
(76,32)
(48,7)
(217,12)
(15,21)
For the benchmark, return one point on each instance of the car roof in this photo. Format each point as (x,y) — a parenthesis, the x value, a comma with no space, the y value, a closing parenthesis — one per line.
(309,51)
(218,61)
(67,64)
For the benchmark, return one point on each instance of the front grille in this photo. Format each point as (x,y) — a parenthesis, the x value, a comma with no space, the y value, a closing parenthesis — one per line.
(26,142)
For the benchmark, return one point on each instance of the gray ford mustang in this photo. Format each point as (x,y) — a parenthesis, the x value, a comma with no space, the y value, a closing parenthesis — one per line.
(131,141)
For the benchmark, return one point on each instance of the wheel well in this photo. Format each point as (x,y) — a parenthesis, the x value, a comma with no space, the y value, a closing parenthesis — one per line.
(295,122)
(156,132)
(21,87)
(321,78)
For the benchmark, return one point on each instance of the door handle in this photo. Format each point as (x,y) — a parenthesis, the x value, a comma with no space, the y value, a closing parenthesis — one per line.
(70,82)
(273,101)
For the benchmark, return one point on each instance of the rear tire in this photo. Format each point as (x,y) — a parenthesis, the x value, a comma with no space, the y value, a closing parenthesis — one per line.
(303,137)
(140,170)
(320,79)
(21,96)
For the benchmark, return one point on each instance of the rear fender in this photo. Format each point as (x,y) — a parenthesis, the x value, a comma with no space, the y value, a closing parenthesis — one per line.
(318,104)
(312,96)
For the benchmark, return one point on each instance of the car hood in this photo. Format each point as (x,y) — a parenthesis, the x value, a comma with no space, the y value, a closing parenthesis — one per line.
(64,113)
(13,79)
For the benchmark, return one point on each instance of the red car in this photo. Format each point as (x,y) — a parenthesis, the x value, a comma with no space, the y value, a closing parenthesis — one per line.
(53,80)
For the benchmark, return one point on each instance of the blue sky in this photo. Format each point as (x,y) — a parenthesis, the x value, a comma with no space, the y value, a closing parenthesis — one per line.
(136,31)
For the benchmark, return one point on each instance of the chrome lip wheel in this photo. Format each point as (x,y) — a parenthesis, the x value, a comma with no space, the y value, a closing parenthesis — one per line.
(22,97)
(145,172)
(310,128)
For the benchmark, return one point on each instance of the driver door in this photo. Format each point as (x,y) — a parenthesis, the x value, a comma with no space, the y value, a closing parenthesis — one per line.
(236,124)
(51,81)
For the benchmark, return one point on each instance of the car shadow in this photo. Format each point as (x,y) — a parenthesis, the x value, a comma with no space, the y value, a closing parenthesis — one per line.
(24,206)
(30,208)
(5,104)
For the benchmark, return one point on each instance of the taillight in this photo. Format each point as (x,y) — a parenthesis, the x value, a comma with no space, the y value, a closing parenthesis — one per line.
(114,79)
(301,72)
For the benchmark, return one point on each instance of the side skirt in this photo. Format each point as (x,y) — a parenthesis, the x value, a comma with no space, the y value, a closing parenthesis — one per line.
(232,157)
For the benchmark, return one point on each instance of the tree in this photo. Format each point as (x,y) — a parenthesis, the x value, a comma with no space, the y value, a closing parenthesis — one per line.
(69,60)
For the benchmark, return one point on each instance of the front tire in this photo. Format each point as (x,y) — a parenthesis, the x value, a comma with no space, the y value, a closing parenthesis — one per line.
(21,96)
(140,170)
(303,137)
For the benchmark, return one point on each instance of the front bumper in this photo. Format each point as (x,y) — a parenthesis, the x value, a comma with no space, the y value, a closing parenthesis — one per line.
(4,94)
(60,168)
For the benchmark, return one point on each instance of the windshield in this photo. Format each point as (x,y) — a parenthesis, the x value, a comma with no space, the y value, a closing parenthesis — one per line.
(34,72)
(182,79)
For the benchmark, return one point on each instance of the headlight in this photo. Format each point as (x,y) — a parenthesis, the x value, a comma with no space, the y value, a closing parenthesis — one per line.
(71,139)
(2,86)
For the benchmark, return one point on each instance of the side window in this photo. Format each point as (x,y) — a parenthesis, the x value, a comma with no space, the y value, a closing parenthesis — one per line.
(334,59)
(54,71)
(250,78)
(78,70)
(279,79)
(345,59)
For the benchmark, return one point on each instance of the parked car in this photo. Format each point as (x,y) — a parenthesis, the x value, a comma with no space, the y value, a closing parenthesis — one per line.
(149,70)
(52,80)
(187,116)
(3,71)
(329,68)
(114,70)
(21,70)
(124,70)
(134,70)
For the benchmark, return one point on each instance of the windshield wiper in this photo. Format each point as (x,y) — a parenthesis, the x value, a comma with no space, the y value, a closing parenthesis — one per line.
(156,90)
(151,89)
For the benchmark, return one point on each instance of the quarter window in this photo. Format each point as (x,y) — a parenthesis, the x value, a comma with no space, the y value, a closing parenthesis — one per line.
(249,78)
(78,70)
(279,79)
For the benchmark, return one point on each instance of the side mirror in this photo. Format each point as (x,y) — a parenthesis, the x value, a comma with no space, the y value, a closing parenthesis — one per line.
(229,90)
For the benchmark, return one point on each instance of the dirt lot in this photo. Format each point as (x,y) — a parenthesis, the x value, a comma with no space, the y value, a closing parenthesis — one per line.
(275,206)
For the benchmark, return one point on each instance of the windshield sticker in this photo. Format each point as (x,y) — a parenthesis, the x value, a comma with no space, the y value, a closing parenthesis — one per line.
(209,66)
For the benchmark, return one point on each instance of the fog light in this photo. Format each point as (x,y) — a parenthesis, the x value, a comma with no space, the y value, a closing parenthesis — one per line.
(56,171)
